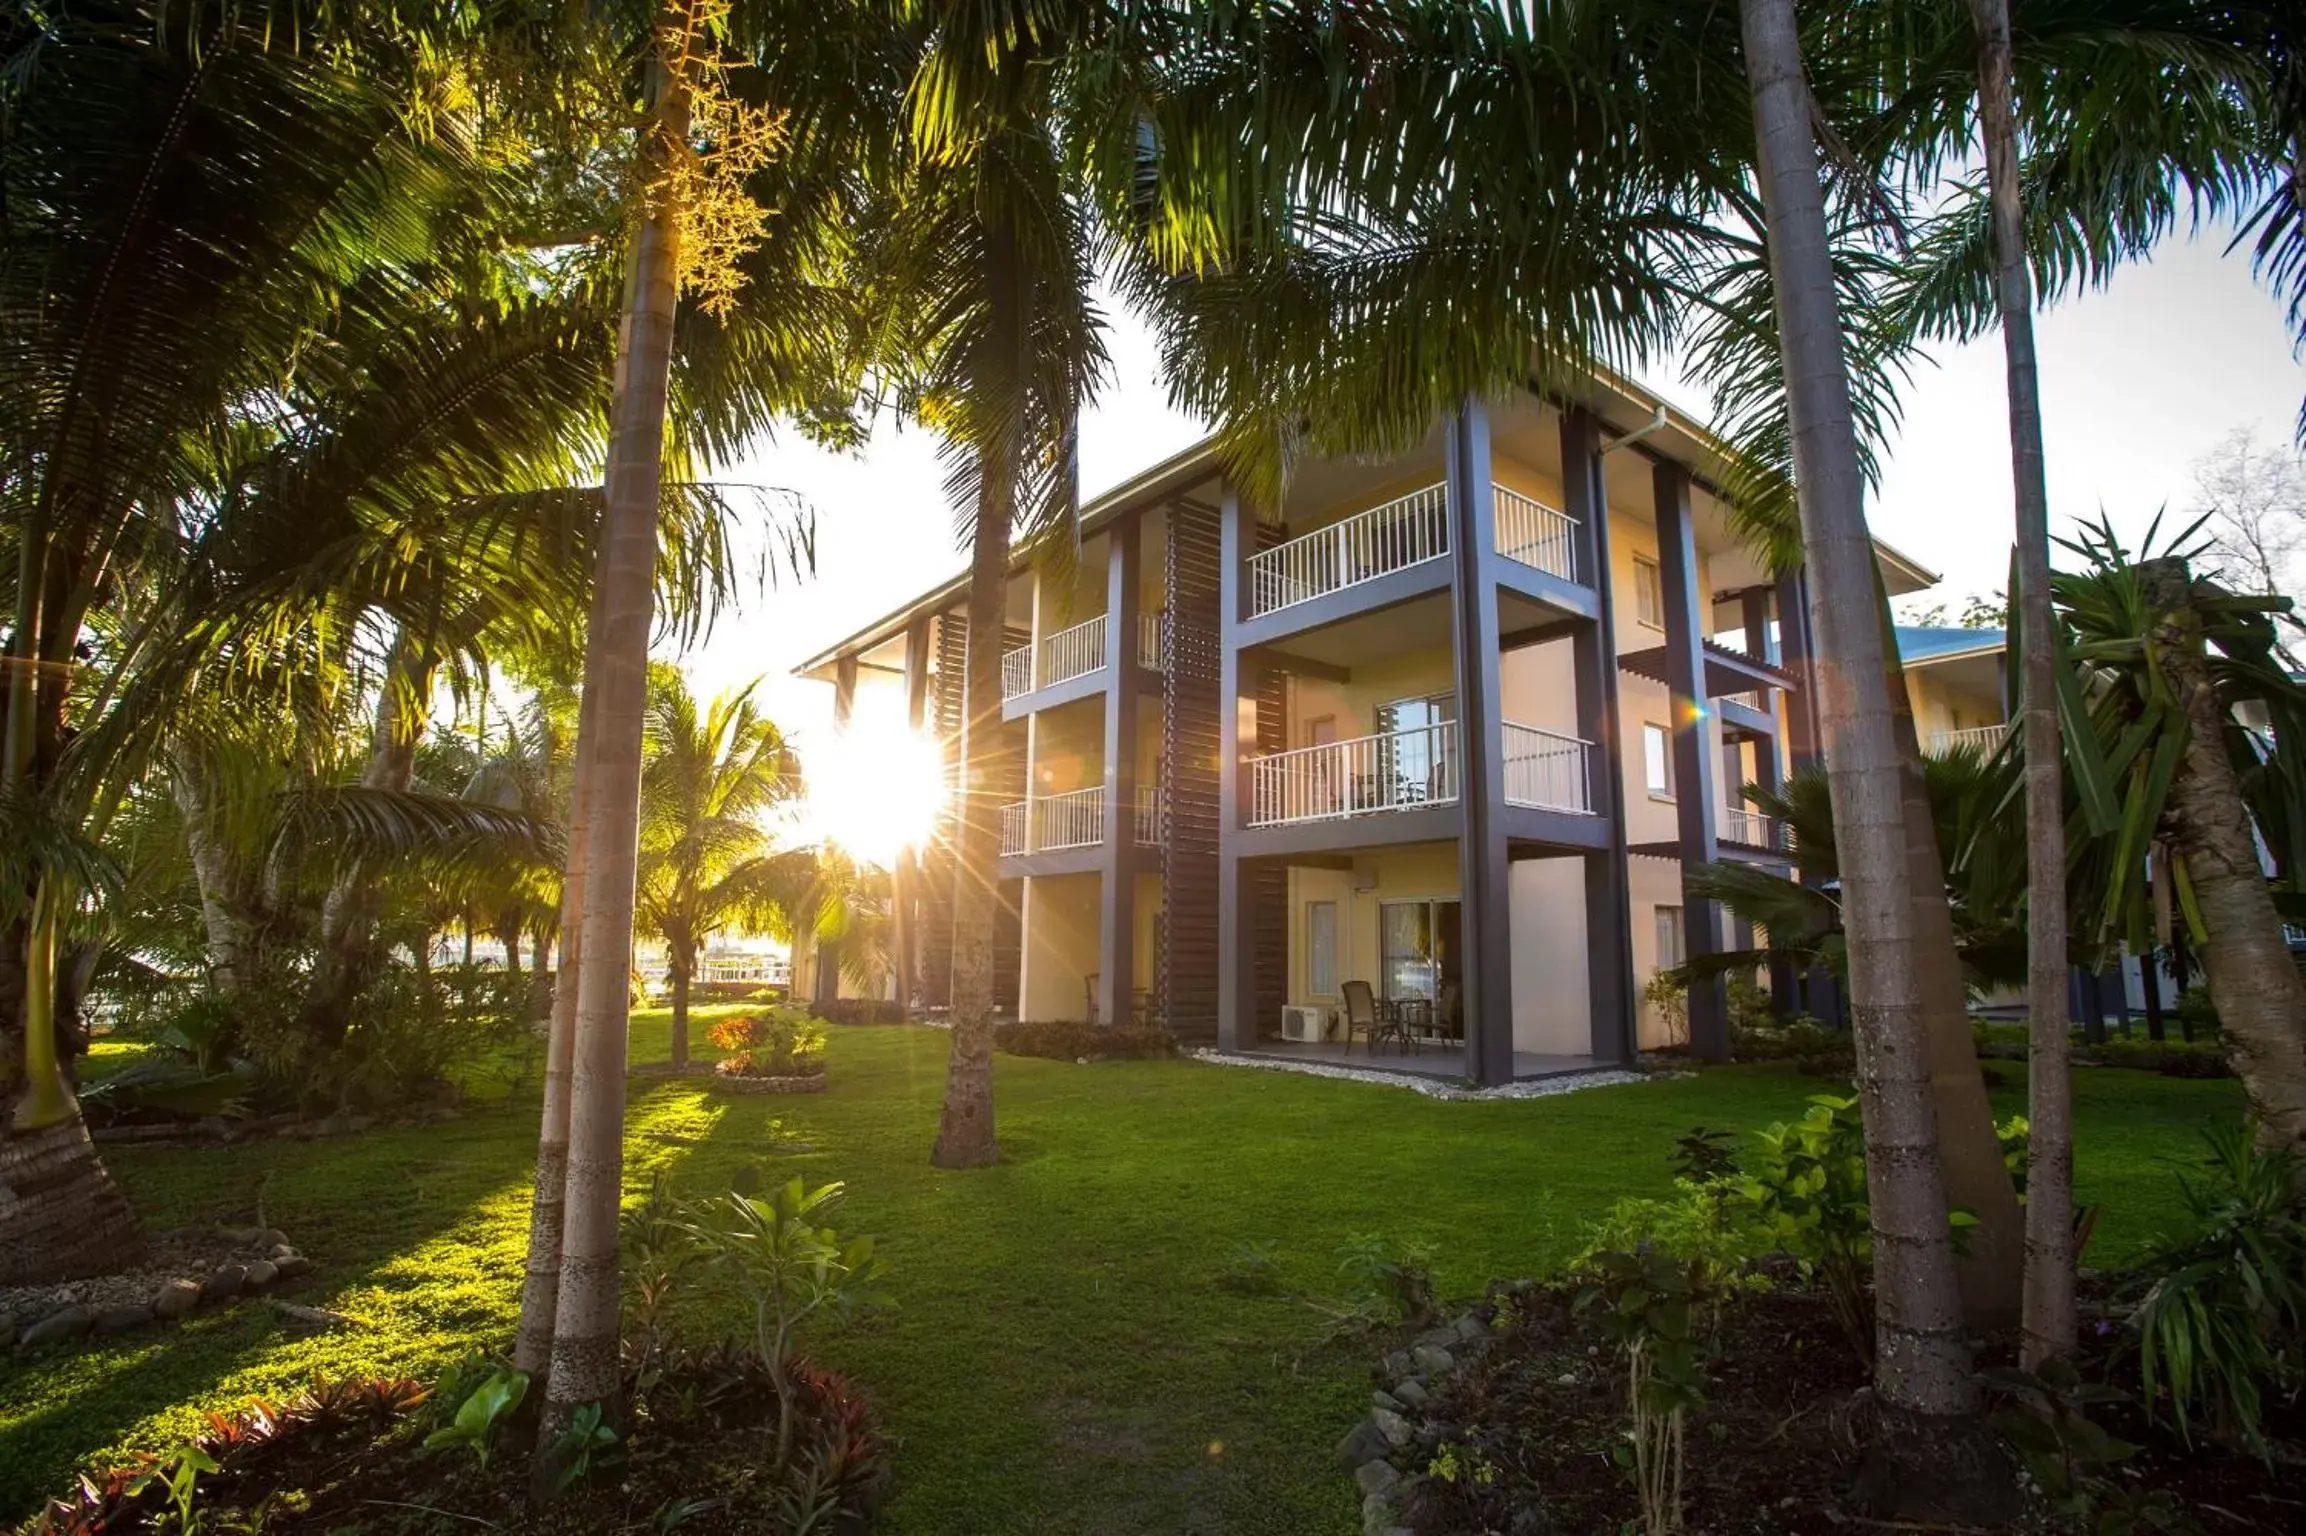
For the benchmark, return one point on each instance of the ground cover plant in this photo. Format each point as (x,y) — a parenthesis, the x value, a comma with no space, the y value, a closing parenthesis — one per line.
(1062,1354)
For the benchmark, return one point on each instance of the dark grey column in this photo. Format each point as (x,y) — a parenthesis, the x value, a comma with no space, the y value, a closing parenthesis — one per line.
(1117,868)
(1482,860)
(905,879)
(1795,655)
(1608,914)
(1236,947)
(1754,616)
(1695,793)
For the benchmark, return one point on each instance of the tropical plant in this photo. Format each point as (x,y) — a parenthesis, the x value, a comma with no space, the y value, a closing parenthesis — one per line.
(1648,1304)
(477,1415)
(2222,1322)
(794,1267)
(713,779)
(781,1042)
(1805,1189)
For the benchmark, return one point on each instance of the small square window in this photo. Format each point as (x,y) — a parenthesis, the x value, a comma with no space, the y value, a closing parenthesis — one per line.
(1648,592)
(1672,946)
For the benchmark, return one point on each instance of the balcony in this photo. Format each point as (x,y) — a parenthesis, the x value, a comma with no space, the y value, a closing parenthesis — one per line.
(1749,828)
(1074,652)
(1052,823)
(1366,776)
(1978,738)
(1547,771)
(1406,531)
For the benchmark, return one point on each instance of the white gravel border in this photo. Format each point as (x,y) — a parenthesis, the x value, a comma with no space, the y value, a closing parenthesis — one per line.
(1431,1087)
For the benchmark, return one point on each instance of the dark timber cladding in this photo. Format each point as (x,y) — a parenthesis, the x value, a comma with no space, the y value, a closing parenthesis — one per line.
(951,639)
(1482,860)
(1185,987)
(1118,857)
(1009,902)
(1694,768)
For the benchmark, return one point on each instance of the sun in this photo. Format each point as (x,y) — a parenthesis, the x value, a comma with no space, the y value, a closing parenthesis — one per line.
(876,790)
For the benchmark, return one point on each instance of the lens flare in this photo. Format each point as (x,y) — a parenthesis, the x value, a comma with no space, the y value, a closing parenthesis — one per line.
(876,790)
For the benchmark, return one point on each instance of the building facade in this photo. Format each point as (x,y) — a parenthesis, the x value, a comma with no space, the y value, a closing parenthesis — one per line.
(1450,725)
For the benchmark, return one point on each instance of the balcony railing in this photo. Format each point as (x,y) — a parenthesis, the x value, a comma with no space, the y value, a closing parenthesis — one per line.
(1396,771)
(1075,820)
(1014,819)
(1978,738)
(1017,672)
(1535,534)
(1148,815)
(1547,771)
(1750,828)
(1403,532)
(1074,652)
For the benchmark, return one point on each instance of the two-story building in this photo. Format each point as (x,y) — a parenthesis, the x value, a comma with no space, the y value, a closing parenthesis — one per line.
(1450,724)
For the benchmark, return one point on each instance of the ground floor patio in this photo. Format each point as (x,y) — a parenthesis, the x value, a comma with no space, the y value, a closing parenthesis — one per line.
(1430,1060)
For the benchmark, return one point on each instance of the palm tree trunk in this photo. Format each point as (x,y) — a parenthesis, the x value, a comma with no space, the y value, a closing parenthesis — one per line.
(217,876)
(540,1285)
(683,958)
(2048,1321)
(1922,1376)
(2260,1000)
(583,1365)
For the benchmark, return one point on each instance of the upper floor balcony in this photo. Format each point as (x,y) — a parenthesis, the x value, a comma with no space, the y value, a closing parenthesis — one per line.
(1977,738)
(1406,531)
(1414,769)
(1054,823)
(1075,652)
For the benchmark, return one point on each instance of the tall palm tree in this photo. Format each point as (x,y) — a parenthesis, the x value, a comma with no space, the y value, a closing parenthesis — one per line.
(1923,1373)
(714,778)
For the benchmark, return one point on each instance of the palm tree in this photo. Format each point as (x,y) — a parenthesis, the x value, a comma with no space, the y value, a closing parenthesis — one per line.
(2174,661)
(713,779)
(1923,1373)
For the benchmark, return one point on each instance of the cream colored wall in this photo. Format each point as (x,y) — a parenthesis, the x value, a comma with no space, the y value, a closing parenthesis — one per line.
(1537,685)
(1354,704)
(1148,912)
(1652,883)
(1938,707)
(1068,748)
(1552,1008)
(1420,870)
(1060,948)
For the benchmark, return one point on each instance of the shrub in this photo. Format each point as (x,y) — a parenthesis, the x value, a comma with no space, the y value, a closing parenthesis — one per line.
(1646,1303)
(779,1042)
(1800,1038)
(1669,995)
(1073,1040)
(1805,1190)
(2197,1015)
(2223,1318)
(859,1010)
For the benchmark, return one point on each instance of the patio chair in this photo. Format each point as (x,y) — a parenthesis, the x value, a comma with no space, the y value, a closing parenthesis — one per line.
(1363,1017)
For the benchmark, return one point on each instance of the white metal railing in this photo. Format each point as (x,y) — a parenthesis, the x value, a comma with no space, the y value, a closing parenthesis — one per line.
(1075,820)
(1072,653)
(1148,815)
(1749,828)
(1535,534)
(1750,699)
(1017,672)
(1149,640)
(1546,770)
(1978,738)
(1013,823)
(1368,775)
(1401,533)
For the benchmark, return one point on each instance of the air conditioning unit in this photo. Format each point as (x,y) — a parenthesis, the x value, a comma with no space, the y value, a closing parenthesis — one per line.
(1303,1024)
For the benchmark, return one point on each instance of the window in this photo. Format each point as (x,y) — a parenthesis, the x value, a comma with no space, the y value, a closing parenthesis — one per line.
(1418,947)
(1321,948)
(1648,592)
(1657,761)
(1418,758)
(1672,947)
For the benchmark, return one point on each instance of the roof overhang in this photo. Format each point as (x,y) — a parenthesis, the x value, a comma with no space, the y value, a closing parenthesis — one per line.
(1726,671)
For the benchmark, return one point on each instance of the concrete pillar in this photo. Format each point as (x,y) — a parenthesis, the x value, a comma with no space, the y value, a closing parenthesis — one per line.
(1236,938)
(1696,794)
(1118,860)
(1482,857)
(1608,911)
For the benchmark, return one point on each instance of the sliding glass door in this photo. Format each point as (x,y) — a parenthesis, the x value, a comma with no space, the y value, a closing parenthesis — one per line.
(1418,947)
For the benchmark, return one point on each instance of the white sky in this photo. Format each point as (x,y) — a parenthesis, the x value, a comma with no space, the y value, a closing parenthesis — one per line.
(2138,381)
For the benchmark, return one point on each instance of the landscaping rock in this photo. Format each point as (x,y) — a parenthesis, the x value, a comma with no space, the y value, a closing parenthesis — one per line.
(176,1298)
(282,1251)
(1385,1400)
(7,1329)
(1439,1338)
(224,1284)
(1376,1477)
(1433,1360)
(1398,1365)
(292,1266)
(1376,1515)
(65,1323)
(1362,1443)
(1470,1327)
(311,1317)
(1412,1392)
(258,1274)
(123,1319)
(1392,1426)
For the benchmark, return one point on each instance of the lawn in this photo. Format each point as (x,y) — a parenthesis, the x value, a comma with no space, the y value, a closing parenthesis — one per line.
(1061,1357)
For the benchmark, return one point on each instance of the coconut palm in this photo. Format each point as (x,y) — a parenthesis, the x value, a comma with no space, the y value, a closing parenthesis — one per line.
(715,778)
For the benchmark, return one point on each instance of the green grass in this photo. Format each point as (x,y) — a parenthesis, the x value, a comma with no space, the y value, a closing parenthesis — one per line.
(1061,1358)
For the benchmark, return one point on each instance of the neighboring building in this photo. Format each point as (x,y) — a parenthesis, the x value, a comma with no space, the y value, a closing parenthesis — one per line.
(1443,726)
(1955,681)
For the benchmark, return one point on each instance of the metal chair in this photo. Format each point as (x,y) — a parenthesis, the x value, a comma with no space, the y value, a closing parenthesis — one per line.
(1363,1017)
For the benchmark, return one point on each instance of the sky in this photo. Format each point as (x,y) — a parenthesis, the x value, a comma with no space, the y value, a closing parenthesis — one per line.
(2140,380)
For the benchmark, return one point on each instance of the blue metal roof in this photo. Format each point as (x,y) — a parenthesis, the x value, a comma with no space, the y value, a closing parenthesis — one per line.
(1928,642)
